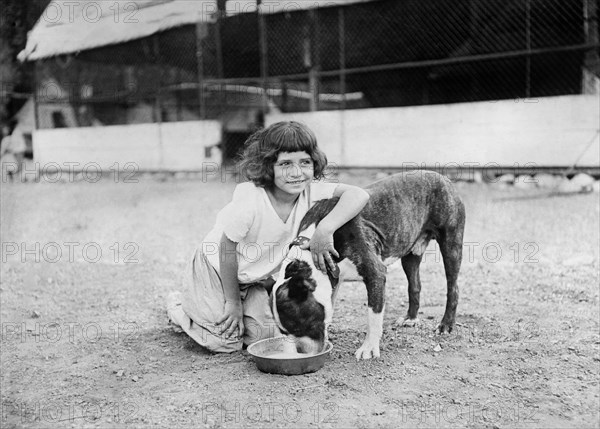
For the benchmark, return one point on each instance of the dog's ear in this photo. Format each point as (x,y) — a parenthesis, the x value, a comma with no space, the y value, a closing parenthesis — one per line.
(300,281)
(298,269)
(299,288)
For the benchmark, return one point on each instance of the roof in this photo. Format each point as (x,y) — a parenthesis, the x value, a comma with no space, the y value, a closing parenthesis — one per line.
(68,27)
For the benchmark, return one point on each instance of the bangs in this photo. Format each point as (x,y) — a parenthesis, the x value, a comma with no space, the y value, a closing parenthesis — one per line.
(290,137)
(263,148)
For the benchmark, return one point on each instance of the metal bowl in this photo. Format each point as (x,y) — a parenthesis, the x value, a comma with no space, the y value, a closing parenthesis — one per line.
(270,356)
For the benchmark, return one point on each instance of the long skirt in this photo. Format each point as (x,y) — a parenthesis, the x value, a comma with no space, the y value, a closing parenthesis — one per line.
(202,304)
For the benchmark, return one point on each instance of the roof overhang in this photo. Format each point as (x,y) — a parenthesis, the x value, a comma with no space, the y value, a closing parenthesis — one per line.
(68,27)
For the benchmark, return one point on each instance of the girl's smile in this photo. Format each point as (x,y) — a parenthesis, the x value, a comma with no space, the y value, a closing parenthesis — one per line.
(292,172)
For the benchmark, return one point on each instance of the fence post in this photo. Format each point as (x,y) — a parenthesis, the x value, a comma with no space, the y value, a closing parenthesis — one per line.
(263,51)
(342,44)
(157,65)
(219,53)
(474,7)
(528,46)
(200,28)
(314,46)
(178,94)
(36,101)
(158,108)
(590,28)
(74,95)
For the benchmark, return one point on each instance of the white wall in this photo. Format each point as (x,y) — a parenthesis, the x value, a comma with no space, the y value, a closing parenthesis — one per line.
(172,146)
(551,131)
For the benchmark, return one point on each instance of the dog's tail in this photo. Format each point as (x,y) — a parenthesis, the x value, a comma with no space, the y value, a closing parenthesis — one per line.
(318,212)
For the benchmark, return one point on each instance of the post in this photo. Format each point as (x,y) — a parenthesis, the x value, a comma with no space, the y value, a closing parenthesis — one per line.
(474,27)
(200,28)
(284,96)
(158,105)
(314,62)
(219,51)
(178,96)
(36,111)
(263,50)
(158,64)
(218,41)
(342,39)
(528,47)
(75,96)
(590,28)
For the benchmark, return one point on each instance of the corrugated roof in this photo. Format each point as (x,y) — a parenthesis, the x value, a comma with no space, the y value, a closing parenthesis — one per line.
(67,27)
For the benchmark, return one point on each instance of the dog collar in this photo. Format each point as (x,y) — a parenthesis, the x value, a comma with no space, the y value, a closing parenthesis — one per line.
(299,241)
(333,273)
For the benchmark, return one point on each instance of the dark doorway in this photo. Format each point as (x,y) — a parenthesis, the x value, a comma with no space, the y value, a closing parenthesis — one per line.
(58,119)
(233,146)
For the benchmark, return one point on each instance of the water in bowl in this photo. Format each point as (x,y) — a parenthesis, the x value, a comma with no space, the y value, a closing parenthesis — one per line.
(288,355)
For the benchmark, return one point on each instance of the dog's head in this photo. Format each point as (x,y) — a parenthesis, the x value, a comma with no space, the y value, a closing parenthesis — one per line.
(303,304)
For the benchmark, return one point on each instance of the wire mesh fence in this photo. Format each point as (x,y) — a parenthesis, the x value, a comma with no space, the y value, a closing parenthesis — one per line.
(376,53)
(145,80)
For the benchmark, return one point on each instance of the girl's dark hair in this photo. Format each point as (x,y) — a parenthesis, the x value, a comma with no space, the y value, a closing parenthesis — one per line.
(263,148)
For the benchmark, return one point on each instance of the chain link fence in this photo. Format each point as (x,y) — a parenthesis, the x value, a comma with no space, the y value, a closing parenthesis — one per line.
(370,54)
(142,81)
(403,53)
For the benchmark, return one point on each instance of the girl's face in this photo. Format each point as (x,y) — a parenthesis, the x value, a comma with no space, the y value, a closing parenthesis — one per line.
(293,171)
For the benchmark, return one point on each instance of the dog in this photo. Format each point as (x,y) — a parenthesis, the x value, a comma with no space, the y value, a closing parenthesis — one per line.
(302,298)
(405,211)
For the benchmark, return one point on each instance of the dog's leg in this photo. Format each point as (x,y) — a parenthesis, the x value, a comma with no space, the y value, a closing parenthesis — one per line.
(370,347)
(345,267)
(410,264)
(373,274)
(451,244)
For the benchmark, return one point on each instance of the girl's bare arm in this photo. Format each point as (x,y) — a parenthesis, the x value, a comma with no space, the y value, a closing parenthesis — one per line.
(233,315)
(352,200)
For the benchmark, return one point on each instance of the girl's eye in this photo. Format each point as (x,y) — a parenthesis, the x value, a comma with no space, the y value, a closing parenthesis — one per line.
(284,163)
(307,162)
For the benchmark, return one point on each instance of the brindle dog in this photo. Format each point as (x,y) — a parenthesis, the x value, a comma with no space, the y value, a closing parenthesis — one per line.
(404,213)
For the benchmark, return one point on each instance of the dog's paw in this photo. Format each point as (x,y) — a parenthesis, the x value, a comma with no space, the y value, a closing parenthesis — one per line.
(368,350)
(444,328)
(407,322)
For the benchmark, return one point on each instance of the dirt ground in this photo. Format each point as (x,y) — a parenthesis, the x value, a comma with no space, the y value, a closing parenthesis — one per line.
(85,341)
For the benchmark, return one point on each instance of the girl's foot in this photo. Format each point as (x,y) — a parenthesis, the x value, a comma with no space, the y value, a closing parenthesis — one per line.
(175,312)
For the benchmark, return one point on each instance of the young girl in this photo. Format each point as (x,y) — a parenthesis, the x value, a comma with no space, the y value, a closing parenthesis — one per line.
(227,303)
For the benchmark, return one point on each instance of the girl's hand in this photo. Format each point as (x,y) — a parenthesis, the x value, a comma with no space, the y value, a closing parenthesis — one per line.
(352,200)
(321,248)
(233,318)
